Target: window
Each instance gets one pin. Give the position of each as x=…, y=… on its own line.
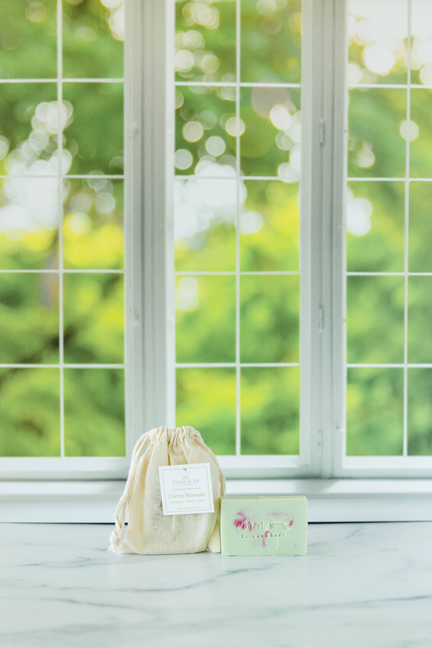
x=259, y=267
x=62, y=257
x=388, y=423
x=237, y=226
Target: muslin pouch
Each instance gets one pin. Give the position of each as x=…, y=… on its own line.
x=149, y=530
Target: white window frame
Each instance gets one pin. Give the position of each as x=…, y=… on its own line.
x=76, y=468
x=323, y=293
x=306, y=464
x=91, y=488
x=339, y=464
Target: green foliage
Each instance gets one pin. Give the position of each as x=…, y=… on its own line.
x=207, y=397
x=420, y=227
x=261, y=155
x=30, y=412
x=398, y=72
x=271, y=42
x=206, y=40
x=374, y=411
x=91, y=119
x=193, y=107
x=376, y=221
x=215, y=252
x=93, y=237
x=269, y=318
x=419, y=411
x=17, y=110
x=28, y=39
x=205, y=326
x=93, y=318
x=90, y=48
x=375, y=116
x=95, y=135
x=29, y=318
x=382, y=248
x=207, y=129
x=213, y=249
x=270, y=404
x=375, y=215
x=94, y=412
x=375, y=319
x=274, y=247
x=29, y=249
x=419, y=319
x=421, y=146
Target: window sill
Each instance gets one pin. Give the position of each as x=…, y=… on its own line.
x=330, y=500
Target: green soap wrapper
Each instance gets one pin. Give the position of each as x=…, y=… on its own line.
x=264, y=526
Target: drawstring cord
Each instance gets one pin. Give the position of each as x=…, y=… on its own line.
x=116, y=538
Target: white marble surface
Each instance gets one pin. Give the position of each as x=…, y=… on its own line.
x=360, y=586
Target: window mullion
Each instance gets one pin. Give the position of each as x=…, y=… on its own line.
x=315, y=207
x=152, y=127
x=333, y=235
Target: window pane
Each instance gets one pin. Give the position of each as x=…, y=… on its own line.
x=206, y=127
x=384, y=143
x=93, y=318
x=94, y=413
x=204, y=229
x=205, y=319
x=419, y=319
x=419, y=412
x=28, y=39
x=205, y=40
x=29, y=117
x=269, y=318
x=206, y=398
x=270, y=142
x=375, y=319
x=377, y=36
x=421, y=40
x=238, y=299
x=269, y=226
x=271, y=40
x=376, y=146
x=94, y=137
x=29, y=320
x=29, y=217
x=90, y=121
x=93, y=236
x=375, y=227
x=30, y=412
x=374, y=412
x=93, y=35
x=270, y=411
x=420, y=227
x=420, y=133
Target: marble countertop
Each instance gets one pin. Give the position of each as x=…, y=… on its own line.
x=360, y=586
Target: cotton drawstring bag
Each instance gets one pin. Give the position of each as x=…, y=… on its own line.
x=149, y=531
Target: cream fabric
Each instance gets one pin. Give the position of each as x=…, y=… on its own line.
x=149, y=531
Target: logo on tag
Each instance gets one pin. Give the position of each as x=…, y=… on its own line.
x=186, y=489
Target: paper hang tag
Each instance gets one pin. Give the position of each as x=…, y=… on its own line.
x=186, y=489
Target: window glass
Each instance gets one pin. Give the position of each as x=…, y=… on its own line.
x=388, y=288
x=61, y=238
x=237, y=222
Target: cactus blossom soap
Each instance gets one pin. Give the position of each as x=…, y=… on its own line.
x=267, y=526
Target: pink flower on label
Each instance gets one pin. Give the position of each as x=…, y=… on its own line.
x=243, y=522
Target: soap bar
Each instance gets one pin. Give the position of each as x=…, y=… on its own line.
x=267, y=526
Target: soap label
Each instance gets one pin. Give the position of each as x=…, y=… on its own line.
x=186, y=489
